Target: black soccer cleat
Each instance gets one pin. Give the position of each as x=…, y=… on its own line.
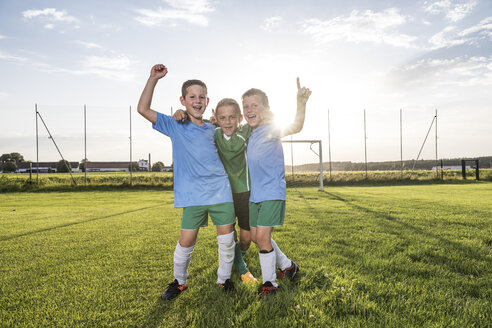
x=267, y=289
x=290, y=272
x=227, y=286
x=173, y=290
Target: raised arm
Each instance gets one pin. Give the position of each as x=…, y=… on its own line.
x=302, y=98
x=157, y=72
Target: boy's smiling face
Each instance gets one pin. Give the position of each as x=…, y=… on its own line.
x=228, y=119
x=195, y=102
x=252, y=110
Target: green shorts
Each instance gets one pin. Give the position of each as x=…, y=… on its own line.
x=270, y=213
x=195, y=217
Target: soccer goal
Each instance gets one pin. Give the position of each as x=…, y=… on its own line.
x=309, y=163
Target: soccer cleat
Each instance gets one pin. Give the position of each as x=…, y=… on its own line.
x=267, y=289
x=173, y=290
x=290, y=272
x=227, y=286
x=248, y=278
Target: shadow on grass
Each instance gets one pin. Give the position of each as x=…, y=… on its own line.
x=76, y=223
x=466, y=251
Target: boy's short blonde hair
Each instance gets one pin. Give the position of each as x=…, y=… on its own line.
x=189, y=83
x=228, y=102
x=259, y=93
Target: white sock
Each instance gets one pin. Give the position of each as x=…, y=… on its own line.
x=226, y=256
x=282, y=261
x=182, y=257
x=267, y=263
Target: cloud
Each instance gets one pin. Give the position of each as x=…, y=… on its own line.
x=453, y=10
x=114, y=67
x=367, y=26
x=50, y=14
x=2, y=36
x=10, y=57
x=191, y=11
x=88, y=45
x=458, y=71
x=449, y=37
x=271, y=23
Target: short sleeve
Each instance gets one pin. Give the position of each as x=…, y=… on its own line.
x=165, y=124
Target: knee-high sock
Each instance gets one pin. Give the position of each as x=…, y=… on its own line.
x=267, y=263
x=182, y=257
x=282, y=261
x=239, y=263
x=226, y=256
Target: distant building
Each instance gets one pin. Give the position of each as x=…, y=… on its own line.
x=44, y=167
x=108, y=166
x=143, y=165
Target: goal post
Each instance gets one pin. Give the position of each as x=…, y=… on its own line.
x=319, y=154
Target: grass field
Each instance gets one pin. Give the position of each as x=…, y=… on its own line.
x=381, y=256
x=12, y=182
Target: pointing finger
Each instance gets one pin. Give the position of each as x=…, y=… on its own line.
x=298, y=84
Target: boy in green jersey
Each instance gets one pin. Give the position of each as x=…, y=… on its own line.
x=231, y=140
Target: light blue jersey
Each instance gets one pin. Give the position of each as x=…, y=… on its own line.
x=266, y=164
x=199, y=176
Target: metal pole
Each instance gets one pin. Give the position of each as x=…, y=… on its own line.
x=418, y=156
x=292, y=158
x=401, y=143
x=329, y=144
x=85, y=145
x=437, y=169
x=37, y=145
x=59, y=152
x=131, y=164
x=320, y=167
x=365, y=142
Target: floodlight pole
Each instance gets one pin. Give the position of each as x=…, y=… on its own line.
x=37, y=144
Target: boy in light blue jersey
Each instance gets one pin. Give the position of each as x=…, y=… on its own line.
x=231, y=141
x=268, y=188
x=201, y=185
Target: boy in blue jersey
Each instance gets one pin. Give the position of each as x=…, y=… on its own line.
x=268, y=188
x=201, y=185
x=231, y=140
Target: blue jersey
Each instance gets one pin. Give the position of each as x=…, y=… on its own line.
x=199, y=176
x=266, y=164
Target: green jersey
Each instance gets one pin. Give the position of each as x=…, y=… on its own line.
x=232, y=152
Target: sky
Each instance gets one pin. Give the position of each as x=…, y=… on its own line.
x=381, y=57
